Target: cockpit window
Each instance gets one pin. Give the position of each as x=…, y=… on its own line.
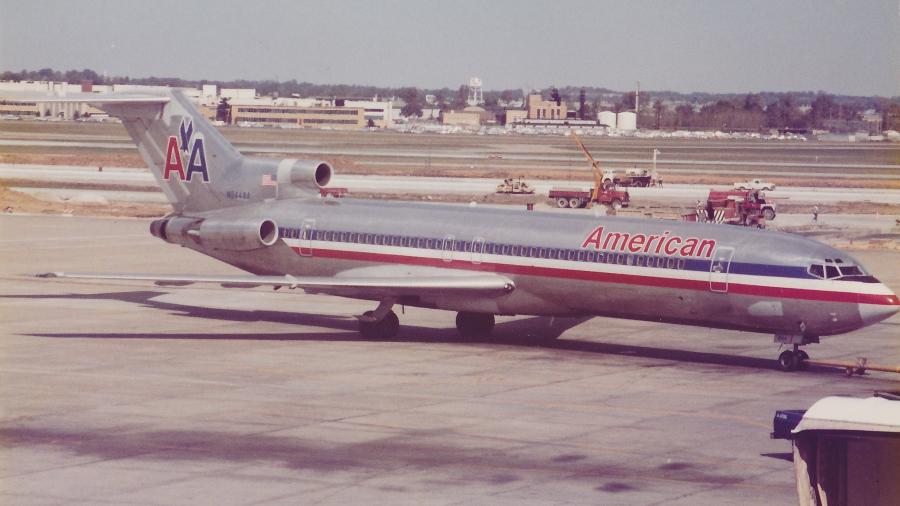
x=831, y=272
x=817, y=271
x=851, y=270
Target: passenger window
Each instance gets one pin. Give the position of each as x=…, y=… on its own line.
x=581, y=255
x=354, y=237
x=505, y=249
x=817, y=271
x=831, y=271
x=670, y=263
x=681, y=263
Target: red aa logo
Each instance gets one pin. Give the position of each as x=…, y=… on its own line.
x=196, y=161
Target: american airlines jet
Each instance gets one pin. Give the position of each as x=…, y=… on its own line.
x=265, y=216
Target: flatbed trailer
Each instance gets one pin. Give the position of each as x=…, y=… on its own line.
x=575, y=198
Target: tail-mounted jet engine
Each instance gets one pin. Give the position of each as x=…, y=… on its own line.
x=300, y=178
x=238, y=235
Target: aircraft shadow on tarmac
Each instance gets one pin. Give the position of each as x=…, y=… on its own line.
x=416, y=448
x=534, y=332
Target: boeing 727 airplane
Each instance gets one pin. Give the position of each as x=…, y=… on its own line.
x=265, y=216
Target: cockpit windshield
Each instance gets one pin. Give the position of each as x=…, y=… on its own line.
x=837, y=268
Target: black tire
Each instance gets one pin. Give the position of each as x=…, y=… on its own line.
x=616, y=204
x=787, y=361
x=575, y=203
x=769, y=213
x=474, y=325
x=384, y=329
x=562, y=202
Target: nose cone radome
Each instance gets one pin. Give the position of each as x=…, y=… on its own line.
x=874, y=313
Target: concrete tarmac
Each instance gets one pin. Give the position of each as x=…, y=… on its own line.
x=128, y=393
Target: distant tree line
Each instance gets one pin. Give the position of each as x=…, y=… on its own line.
x=659, y=109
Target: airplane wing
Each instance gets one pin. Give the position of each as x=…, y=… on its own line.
x=374, y=287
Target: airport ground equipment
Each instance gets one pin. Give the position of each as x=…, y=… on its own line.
x=333, y=191
x=515, y=186
x=784, y=422
x=633, y=177
x=735, y=207
x=601, y=193
x=754, y=184
x=575, y=197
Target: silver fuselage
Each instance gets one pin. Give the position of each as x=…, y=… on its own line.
x=565, y=264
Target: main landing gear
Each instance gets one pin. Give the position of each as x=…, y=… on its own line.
x=474, y=325
x=794, y=359
x=382, y=323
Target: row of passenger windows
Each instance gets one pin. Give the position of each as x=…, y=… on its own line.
x=489, y=248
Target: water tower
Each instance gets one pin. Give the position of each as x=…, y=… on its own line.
x=476, y=97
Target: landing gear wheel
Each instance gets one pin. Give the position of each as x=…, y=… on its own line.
x=768, y=214
x=788, y=361
x=384, y=329
x=562, y=202
x=474, y=324
x=574, y=203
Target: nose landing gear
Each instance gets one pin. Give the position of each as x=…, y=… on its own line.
x=794, y=359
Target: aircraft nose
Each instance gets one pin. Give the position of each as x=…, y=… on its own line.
x=874, y=313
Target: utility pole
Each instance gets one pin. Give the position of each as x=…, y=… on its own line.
x=637, y=98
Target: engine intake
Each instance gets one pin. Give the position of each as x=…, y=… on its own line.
x=309, y=175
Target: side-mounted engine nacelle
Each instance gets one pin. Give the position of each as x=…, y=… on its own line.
x=231, y=235
x=308, y=176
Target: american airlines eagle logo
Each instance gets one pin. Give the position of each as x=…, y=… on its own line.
x=663, y=244
x=190, y=146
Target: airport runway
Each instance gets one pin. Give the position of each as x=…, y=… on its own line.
x=127, y=393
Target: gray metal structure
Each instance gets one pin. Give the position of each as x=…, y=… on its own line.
x=266, y=217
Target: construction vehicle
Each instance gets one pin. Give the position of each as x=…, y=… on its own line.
x=735, y=207
x=633, y=177
x=754, y=184
x=515, y=186
x=601, y=193
x=575, y=198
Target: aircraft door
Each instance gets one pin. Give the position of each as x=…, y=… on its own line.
x=719, y=268
x=447, y=248
x=307, y=231
x=477, y=250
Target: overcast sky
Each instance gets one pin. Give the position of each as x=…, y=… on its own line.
x=850, y=47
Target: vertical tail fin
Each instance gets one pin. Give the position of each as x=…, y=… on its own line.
x=188, y=156
x=192, y=162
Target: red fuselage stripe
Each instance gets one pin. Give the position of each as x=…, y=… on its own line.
x=608, y=277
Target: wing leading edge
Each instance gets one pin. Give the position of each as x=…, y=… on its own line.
x=490, y=285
